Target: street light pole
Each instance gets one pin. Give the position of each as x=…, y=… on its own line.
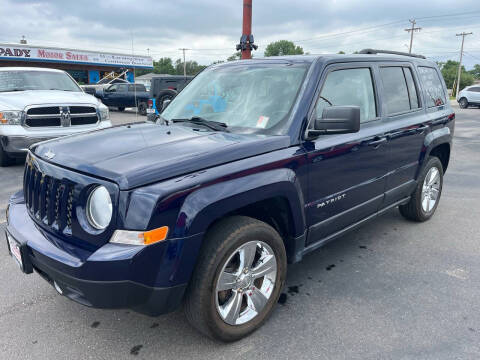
x=463, y=34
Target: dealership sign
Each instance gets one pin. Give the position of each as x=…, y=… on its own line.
x=19, y=52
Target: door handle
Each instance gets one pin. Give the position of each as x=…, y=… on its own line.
x=378, y=142
x=422, y=129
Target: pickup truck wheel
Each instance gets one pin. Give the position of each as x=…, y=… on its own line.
x=425, y=199
x=463, y=103
x=121, y=108
x=5, y=160
x=142, y=108
x=237, y=280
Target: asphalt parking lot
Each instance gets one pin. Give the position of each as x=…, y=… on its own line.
x=391, y=290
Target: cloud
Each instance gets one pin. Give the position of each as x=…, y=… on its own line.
x=211, y=28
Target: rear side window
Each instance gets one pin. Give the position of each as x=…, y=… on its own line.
x=474, y=89
x=349, y=87
x=136, y=87
x=395, y=90
x=434, y=92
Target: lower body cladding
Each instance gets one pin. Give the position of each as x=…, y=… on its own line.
x=148, y=279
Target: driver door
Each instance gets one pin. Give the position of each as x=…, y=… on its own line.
x=346, y=171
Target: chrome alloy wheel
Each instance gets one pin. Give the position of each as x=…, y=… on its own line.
x=430, y=189
x=246, y=282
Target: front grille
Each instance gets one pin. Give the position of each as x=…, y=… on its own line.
x=49, y=200
x=61, y=116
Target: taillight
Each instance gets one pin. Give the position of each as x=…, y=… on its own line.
x=150, y=103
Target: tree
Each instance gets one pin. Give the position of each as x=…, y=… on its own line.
x=163, y=66
x=341, y=52
x=192, y=67
x=235, y=56
x=450, y=73
x=283, y=47
x=476, y=71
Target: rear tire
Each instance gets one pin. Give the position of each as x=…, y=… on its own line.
x=121, y=108
x=463, y=103
x=421, y=206
x=142, y=108
x=167, y=94
x=227, y=241
x=5, y=160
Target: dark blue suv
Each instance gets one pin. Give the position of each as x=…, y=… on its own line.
x=254, y=164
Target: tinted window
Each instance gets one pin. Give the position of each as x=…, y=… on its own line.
x=434, y=93
x=412, y=91
x=474, y=89
x=122, y=88
x=395, y=90
x=349, y=87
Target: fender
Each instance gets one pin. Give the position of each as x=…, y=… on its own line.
x=202, y=207
x=433, y=139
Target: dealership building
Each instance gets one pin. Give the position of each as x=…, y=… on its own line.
x=86, y=67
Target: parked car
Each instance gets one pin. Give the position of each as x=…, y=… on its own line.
x=469, y=96
x=164, y=88
x=125, y=95
x=37, y=104
x=208, y=209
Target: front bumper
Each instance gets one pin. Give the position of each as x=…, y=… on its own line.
x=19, y=144
x=16, y=139
x=109, y=277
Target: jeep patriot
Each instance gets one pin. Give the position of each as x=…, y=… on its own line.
x=206, y=206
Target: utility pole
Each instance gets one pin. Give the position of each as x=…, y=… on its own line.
x=463, y=34
x=411, y=31
x=148, y=51
x=246, y=40
x=184, y=63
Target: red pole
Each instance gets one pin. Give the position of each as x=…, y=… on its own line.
x=247, y=26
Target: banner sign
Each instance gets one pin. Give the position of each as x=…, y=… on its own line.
x=32, y=53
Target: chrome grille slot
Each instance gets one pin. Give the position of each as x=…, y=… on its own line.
x=61, y=116
x=48, y=200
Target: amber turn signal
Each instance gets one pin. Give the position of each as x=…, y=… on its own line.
x=155, y=235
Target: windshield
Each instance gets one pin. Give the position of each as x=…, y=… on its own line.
x=246, y=98
x=36, y=80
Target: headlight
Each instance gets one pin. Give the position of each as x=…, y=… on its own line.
x=10, y=117
x=104, y=113
x=99, y=208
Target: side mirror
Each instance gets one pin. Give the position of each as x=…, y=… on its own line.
x=337, y=120
x=165, y=103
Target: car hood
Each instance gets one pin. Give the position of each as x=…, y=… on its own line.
x=17, y=100
x=142, y=153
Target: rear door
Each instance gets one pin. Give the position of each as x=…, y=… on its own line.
x=346, y=172
x=474, y=93
x=406, y=126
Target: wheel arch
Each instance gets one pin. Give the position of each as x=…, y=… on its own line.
x=274, y=197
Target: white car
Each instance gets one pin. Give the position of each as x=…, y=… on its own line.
x=38, y=104
x=469, y=96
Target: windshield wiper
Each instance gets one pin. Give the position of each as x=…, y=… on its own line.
x=213, y=125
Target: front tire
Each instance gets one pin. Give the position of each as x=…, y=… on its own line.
x=463, y=103
x=425, y=198
x=142, y=108
x=238, y=279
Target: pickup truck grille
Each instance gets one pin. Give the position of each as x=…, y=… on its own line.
x=61, y=116
x=49, y=200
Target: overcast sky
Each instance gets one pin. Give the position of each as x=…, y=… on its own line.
x=212, y=28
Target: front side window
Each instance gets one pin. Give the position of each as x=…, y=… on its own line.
x=36, y=80
x=349, y=87
x=248, y=98
x=435, y=94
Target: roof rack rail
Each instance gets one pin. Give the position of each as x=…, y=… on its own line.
x=374, y=51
